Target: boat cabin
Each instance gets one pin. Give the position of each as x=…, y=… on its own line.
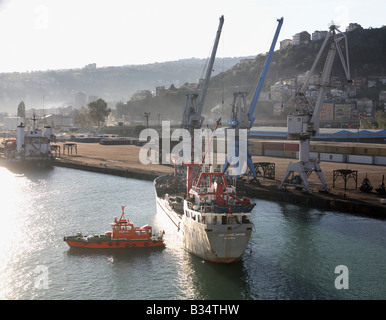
x=124, y=229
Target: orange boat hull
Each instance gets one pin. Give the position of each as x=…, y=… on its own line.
x=115, y=244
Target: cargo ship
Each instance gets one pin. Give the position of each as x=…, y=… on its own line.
x=211, y=221
x=122, y=236
x=30, y=148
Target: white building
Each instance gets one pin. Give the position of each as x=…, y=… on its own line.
x=11, y=123
x=319, y=35
x=58, y=121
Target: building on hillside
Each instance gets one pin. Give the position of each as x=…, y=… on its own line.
x=159, y=90
x=247, y=61
x=382, y=96
x=359, y=82
x=366, y=106
x=276, y=91
x=319, y=35
x=353, y=26
x=301, y=38
x=141, y=95
x=90, y=66
x=382, y=99
x=342, y=111
x=79, y=99
x=285, y=43
x=327, y=111
x=278, y=109
x=314, y=79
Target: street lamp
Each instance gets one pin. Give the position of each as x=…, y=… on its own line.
x=147, y=114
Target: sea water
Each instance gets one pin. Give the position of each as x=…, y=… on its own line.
x=294, y=253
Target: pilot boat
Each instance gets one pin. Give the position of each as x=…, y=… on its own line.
x=123, y=235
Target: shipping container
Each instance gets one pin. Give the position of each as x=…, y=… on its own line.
x=360, y=159
x=273, y=153
x=289, y=154
x=364, y=150
x=381, y=161
x=382, y=152
x=256, y=151
x=256, y=144
x=313, y=156
x=273, y=145
x=291, y=146
x=333, y=157
x=339, y=148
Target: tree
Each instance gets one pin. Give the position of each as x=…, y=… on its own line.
x=138, y=128
x=21, y=110
x=81, y=120
x=380, y=116
x=98, y=111
x=365, y=123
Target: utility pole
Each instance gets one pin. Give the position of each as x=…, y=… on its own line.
x=147, y=114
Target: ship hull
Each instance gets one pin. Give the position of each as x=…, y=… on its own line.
x=215, y=242
x=26, y=163
x=112, y=244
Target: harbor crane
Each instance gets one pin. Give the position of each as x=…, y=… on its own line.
x=242, y=118
x=192, y=118
x=303, y=121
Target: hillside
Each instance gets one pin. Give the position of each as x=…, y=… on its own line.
x=58, y=87
x=367, y=52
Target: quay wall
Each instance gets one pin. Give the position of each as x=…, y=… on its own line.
x=321, y=201
x=122, y=172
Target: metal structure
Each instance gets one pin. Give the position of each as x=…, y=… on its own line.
x=242, y=118
x=303, y=122
x=192, y=118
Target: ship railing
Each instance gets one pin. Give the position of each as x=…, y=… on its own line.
x=206, y=215
x=226, y=218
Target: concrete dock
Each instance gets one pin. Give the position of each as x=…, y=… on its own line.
x=123, y=160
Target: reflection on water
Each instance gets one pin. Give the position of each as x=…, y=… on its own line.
x=292, y=253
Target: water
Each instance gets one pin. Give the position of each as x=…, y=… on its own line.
x=292, y=254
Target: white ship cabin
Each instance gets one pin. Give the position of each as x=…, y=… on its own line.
x=211, y=193
x=33, y=142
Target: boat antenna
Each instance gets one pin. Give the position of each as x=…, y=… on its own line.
x=123, y=212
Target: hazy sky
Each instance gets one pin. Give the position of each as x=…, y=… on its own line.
x=61, y=34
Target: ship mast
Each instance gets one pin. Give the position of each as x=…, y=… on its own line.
x=192, y=117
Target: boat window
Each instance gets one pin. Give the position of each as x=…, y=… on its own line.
x=128, y=227
x=143, y=232
x=116, y=228
x=137, y=233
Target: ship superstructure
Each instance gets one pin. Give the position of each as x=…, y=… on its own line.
x=31, y=147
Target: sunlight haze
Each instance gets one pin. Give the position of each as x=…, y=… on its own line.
x=51, y=34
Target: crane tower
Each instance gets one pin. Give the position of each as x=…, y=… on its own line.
x=303, y=122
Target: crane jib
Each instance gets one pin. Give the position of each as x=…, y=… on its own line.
x=264, y=73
